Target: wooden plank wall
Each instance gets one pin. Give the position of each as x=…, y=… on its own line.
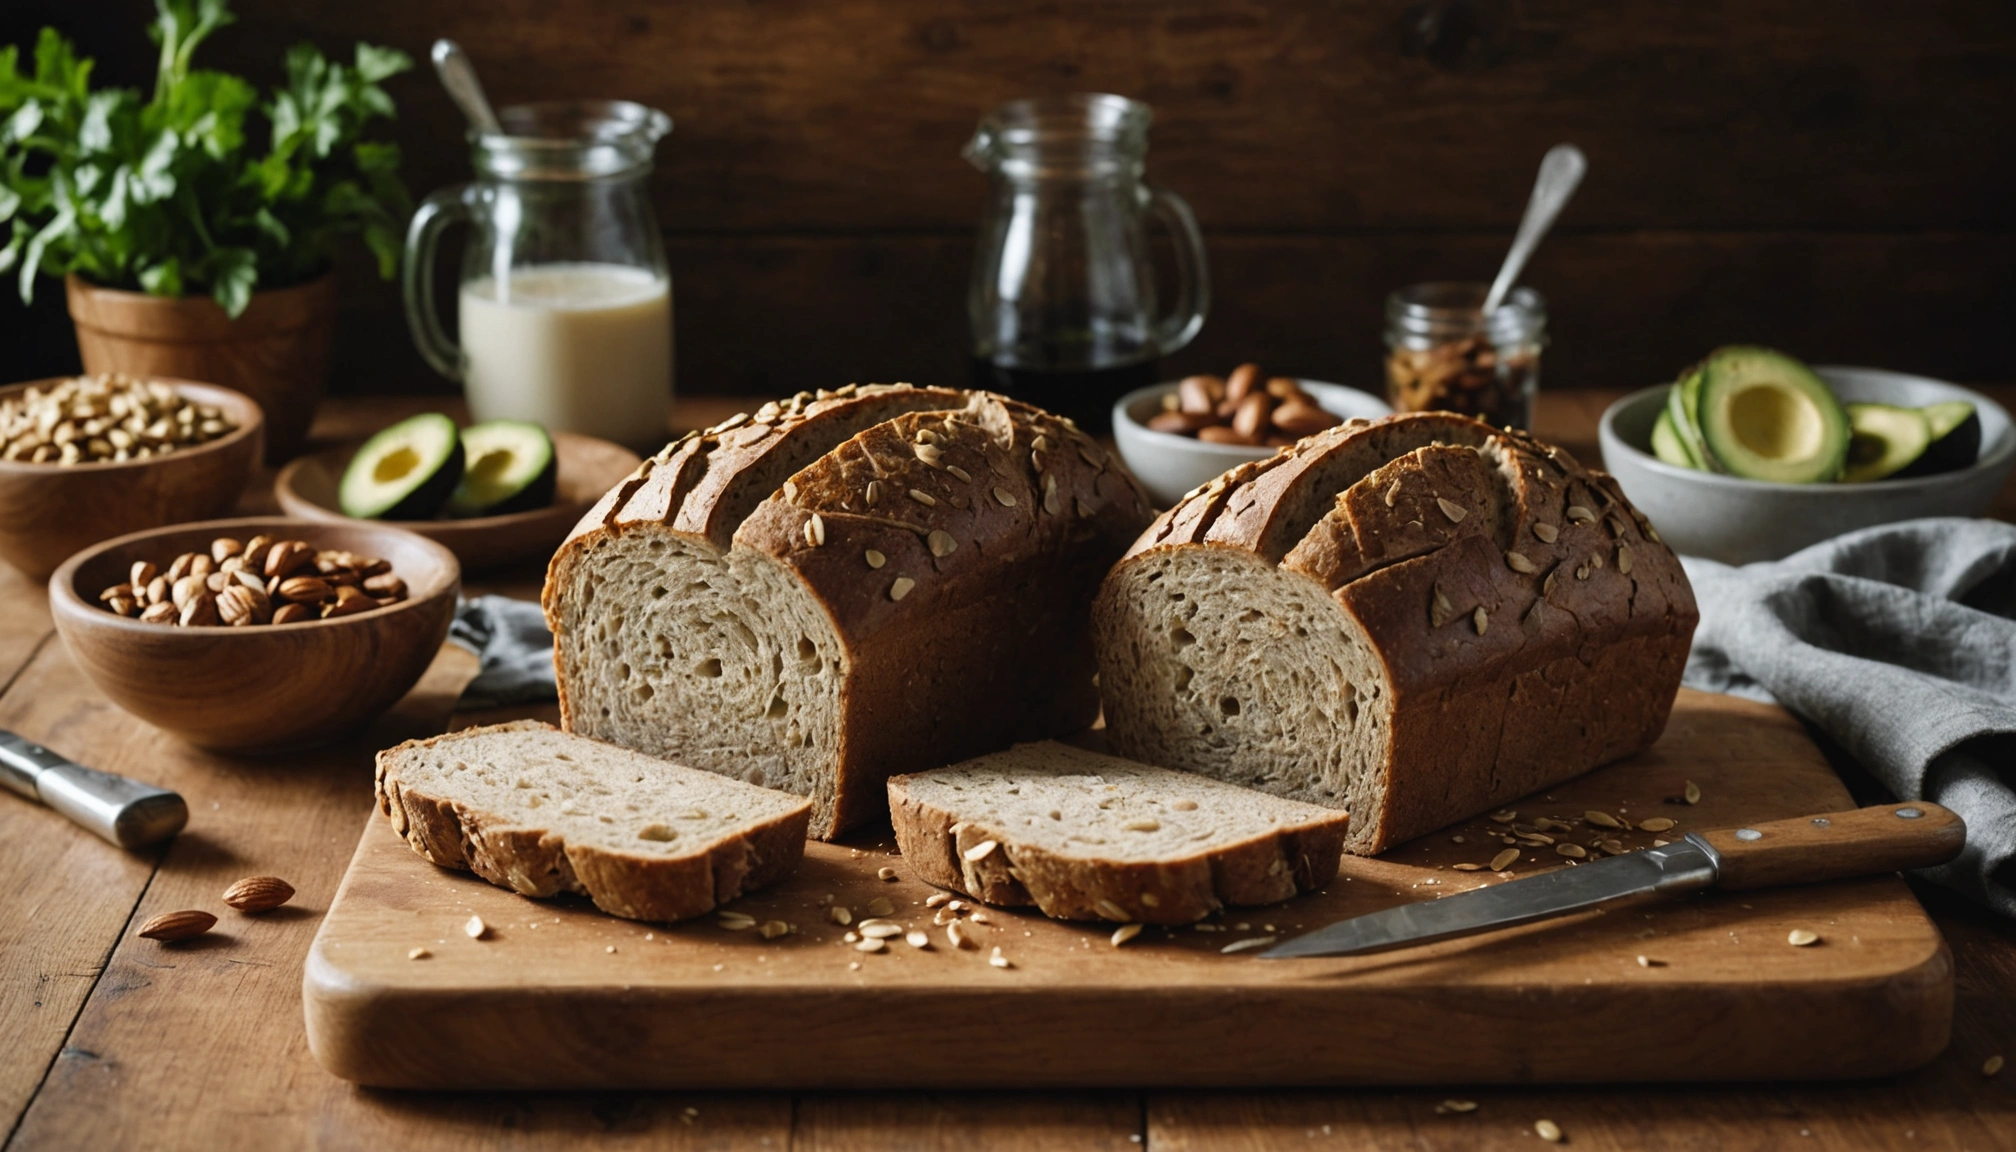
x=1834, y=177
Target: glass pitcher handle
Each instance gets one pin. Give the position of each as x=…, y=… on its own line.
x=416, y=274
x=1193, y=275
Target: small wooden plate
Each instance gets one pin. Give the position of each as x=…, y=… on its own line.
x=588, y=468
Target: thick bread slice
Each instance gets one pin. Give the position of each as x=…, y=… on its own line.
x=1089, y=837
x=1416, y=619
x=915, y=589
x=530, y=808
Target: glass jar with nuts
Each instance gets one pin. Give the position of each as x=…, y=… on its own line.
x=256, y=581
x=100, y=419
x=1245, y=407
x=1444, y=354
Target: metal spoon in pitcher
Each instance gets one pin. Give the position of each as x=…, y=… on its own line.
x=1560, y=173
x=458, y=75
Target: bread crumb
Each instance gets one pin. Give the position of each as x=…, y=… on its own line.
x=475, y=928
x=418, y=954
x=609, y=948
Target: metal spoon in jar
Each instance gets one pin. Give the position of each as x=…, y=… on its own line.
x=458, y=75
x=1560, y=173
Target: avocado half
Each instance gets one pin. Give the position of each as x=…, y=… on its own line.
x=1765, y=416
x=405, y=472
x=1883, y=440
x=511, y=468
x=1956, y=439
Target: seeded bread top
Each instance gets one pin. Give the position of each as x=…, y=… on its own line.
x=1533, y=553
x=936, y=505
x=1082, y=805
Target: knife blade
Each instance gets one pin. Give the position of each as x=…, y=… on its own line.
x=1865, y=842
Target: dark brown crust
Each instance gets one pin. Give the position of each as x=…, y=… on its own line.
x=538, y=862
x=1578, y=662
x=991, y=645
x=1263, y=870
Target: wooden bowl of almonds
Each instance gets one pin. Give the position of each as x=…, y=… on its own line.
x=83, y=459
x=256, y=634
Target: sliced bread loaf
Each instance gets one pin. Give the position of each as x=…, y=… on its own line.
x=536, y=810
x=1083, y=836
x=864, y=582
x=1415, y=619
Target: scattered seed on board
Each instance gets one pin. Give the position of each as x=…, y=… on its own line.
x=1992, y=1065
x=1127, y=932
x=417, y=954
x=475, y=928
x=998, y=960
x=1504, y=860
x=885, y=873
x=1655, y=824
x=980, y=851
x=1457, y=1107
x=839, y=915
x=958, y=934
x=881, y=906
x=871, y=944
x=1801, y=937
x=917, y=938
x=1468, y=867
x=772, y=929
x=1693, y=793
x=901, y=587
x=1249, y=942
x=736, y=921
x=1504, y=817
x=1572, y=850
x=1547, y=1130
x=936, y=899
x=1649, y=962
x=1602, y=819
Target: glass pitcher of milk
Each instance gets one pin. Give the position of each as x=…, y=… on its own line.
x=565, y=302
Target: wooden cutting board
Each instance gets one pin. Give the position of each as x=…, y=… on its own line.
x=560, y=996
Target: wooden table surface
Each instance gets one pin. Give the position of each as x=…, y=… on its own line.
x=109, y=1042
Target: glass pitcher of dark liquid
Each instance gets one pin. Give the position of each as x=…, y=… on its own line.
x=1063, y=298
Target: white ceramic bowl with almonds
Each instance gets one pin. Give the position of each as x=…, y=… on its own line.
x=50, y=509
x=1168, y=464
x=231, y=679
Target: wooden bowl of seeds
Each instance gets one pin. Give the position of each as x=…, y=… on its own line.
x=327, y=628
x=84, y=459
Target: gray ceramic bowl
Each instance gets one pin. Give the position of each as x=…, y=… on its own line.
x=1169, y=465
x=1741, y=521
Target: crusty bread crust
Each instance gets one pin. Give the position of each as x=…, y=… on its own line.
x=538, y=862
x=994, y=522
x=1301, y=856
x=1528, y=623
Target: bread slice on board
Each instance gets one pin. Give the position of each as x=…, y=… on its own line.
x=868, y=581
x=536, y=810
x=1089, y=837
x=1415, y=619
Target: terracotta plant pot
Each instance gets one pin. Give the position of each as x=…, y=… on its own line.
x=276, y=351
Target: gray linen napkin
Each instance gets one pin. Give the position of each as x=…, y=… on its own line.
x=514, y=650
x=1898, y=642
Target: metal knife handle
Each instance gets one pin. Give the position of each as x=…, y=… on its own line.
x=126, y=812
x=1865, y=842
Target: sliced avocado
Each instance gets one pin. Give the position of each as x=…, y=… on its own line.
x=1766, y=416
x=1956, y=439
x=405, y=472
x=1667, y=444
x=1684, y=403
x=1883, y=440
x=512, y=468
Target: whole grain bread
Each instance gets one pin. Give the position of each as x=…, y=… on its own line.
x=1416, y=619
x=1084, y=836
x=846, y=586
x=536, y=810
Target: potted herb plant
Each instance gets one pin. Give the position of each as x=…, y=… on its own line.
x=197, y=227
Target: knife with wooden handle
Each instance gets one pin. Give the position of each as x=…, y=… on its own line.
x=126, y=812
x=1806, y=850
